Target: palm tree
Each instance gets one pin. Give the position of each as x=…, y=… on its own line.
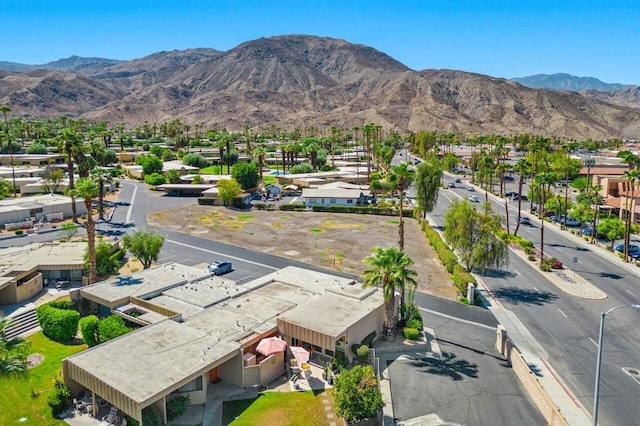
x=69, y=143
x=521, y=167
x=5, y=110
x=544, y=180
x=87, y=189
x=390, y=271
x=13, y=352
x=631, y=176
x=259, y=153
x=101, y=177
x=502, y=169
x=403, y=176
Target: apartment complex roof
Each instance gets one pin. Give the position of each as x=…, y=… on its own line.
x=34, y=202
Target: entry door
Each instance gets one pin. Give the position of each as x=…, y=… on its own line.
x=213, y=374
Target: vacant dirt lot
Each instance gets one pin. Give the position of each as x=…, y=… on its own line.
x=336, y=241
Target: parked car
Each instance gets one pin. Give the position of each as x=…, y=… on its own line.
x=525, y=220
x=473, y=198
x=510, y=194
x=452, y=185
x=509, y=178
x=457, y=180
x=516, y=197
x=471, y=188
x=220, y=267
x=634, y=250
x=570, y=221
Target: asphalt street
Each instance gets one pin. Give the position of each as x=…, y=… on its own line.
x=566, y=326
x=470, y=383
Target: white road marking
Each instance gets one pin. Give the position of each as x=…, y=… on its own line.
x=537, y=290
x=516, y=271
x=226, y=256
x=593, y=341
x=133, y=199
x=634, y=295
x=457, y=319
x=632, y=376
x=563, y=314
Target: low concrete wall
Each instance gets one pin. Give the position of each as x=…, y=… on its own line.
x=528, y=379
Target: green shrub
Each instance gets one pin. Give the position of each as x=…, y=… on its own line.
x=356, y=394
x=111, y=327
x=368, y=339
x=410, y=333
x=89, y=329
x=532, y=257
x=195, y=160
x=414, y=323
x=61, y=304
x=131, y=421
x=155, y=179
x=19, y=232
x=362, y=210
x=293, y=207
x=57, y=324
x=177, y=406
x=355, y=347
x=363, y=352
x=528, y=250
x=151, y=417
x=461, y=278
x=60, y=399
x=205, y=201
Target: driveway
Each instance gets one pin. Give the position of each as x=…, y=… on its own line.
x=469, y=383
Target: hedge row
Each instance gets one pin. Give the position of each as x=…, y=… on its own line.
x=459, y=275
x=362, y=210
x=292, y=207
x=58, y=321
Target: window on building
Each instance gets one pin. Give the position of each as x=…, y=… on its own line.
x=194, y=385
x=349, y=201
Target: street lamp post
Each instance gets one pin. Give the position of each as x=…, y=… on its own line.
x=596, y=398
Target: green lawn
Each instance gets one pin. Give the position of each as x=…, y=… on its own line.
x=17, y=395
x=215, y=170
x=277, y=408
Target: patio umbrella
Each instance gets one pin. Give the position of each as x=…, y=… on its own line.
x=300, y=354
x=271, y=345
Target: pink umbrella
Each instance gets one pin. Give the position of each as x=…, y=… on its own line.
x=271, y=345
x=300, y=354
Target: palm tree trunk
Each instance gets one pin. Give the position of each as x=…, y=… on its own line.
x=91, y=242
x=389, y=315
x=519, y=202
x=101, y=200
x=74, y=213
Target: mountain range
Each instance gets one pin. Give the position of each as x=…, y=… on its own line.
x=562, y=81
x=301, y=81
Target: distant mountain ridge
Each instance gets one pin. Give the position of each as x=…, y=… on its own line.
x=563, y=81
x=302, y=81
x=70, y=64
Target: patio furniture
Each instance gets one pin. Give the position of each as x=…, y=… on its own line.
x=112, y=414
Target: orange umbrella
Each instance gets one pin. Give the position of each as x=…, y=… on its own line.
x=271, y=345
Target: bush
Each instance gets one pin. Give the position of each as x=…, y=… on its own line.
x=356, y=394
x=301, y=168
x=414, y=323
x=410, y=333
x=89, y=329
x=195, y=160
x=19, y=232
x=461, y=278
x=363, y=352
x=177, y=406
x=368, y=339
x=111, y=327
x=362, y=210
x=58, y=324
x=205, y=201
x=60, y=398
x=155, y=179
x=151, y=417
x=532, y=257
x=293, y=207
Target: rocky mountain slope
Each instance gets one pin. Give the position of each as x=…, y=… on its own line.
x=629, y=97
x=562, y=81
x=299, y=81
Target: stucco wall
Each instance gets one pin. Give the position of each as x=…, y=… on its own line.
x=231, y=371
x=271, y=367
x=372, y=322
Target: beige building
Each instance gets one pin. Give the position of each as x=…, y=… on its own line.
x=25, y=270
x=202, y=329
x=39, y=207
x=618, y=196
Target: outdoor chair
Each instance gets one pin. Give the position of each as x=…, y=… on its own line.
x=112, y=414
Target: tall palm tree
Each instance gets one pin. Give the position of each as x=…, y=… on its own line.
x=543, y=180
x=632, y=177
x=69, y=143
x=502, y=169
x=522, y=165
x=402, y=175
x=259, y=153
x=5, y=110
x=13, y=352
x=101, y=177
x=389, y=269
x=87, y=189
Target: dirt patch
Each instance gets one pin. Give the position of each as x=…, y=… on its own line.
x=335, y=241
x=34, y=360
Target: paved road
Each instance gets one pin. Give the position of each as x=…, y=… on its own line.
x=567, y=327
x=470, y=383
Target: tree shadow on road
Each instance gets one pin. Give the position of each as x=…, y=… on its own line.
x=523, y=296
x=447, y=365
x=496, y=273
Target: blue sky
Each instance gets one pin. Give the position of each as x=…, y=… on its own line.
x=499, y=38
